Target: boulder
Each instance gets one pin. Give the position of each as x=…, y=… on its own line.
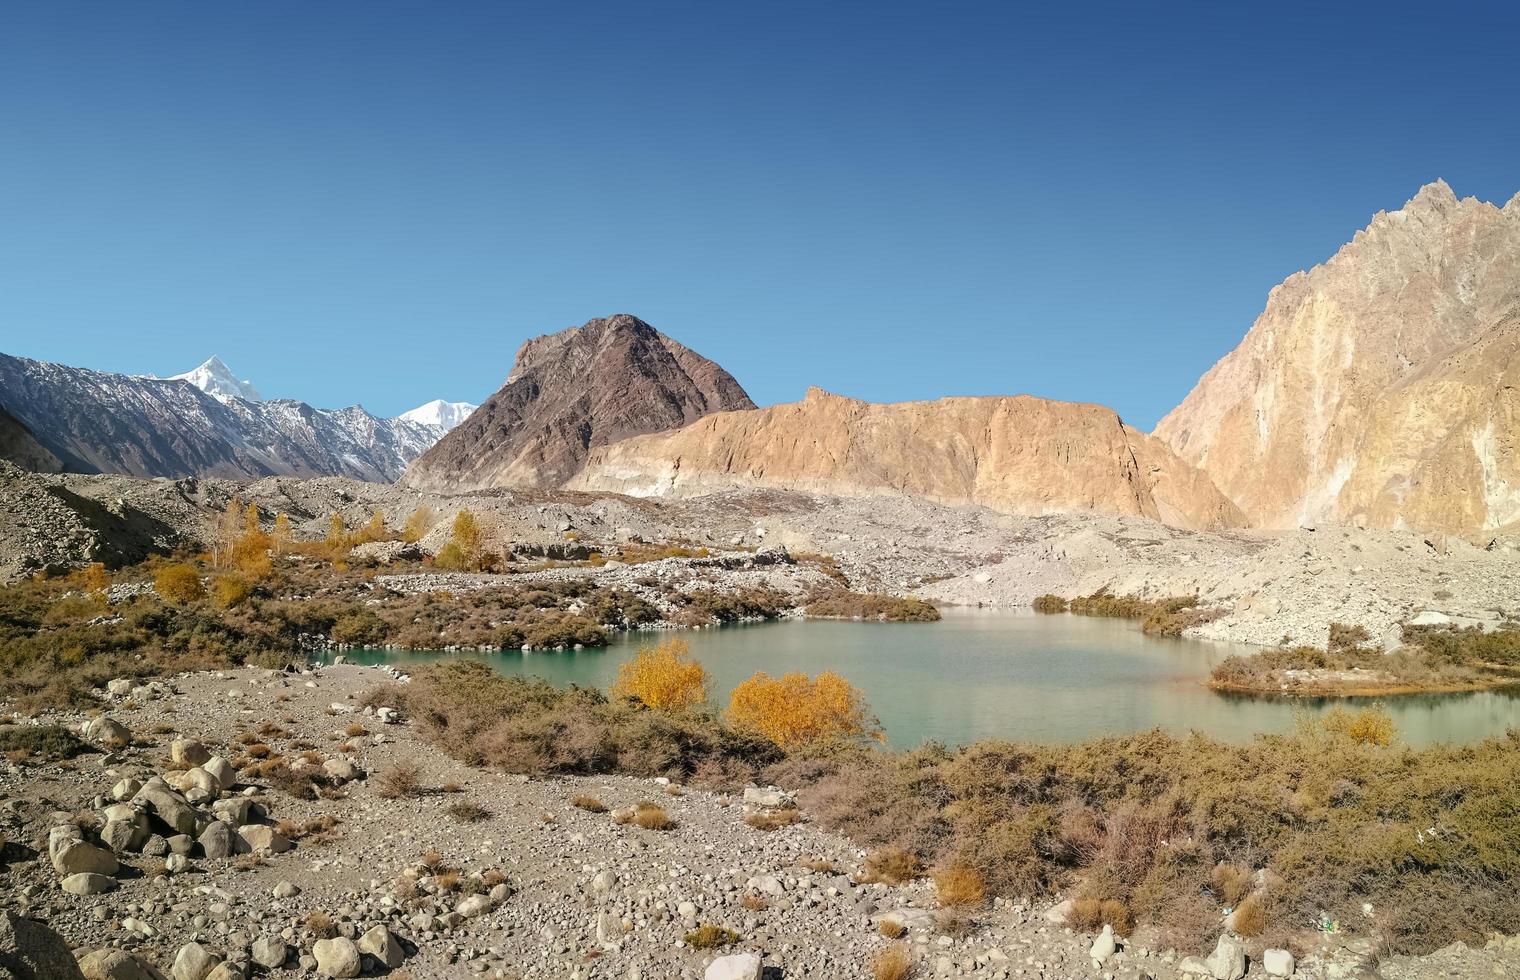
x=1228, y=961
x=770, y=798
x=270, y=952
x=188, y=752
x=125, y=835
x=285, y=889
x=193, y=962
x=380, y=944
x=221, y=770
x=219, y=842
x=77, y=856
x=30, y=950
x=337, y=957
x=263, y=838
x=60, y=835
x=236, y=810
x=85, y=883
x=119, y=688
x=735, y=966
x=342, y=770
x=105, y=730
x=200, y=786
x=228, y=970
x=1277, y=962
x=473, y=906
x=116, y=964
x=167, y=805
x=1103, y=946
x=125, y=790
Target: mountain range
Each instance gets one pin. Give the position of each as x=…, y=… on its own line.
x=1378, y=388
x=205, y=422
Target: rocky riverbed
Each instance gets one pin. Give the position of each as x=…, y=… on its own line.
x=151, y=854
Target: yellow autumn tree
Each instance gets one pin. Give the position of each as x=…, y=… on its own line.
x=664, y=677
x=250, y=552
x=793, y=710
x=462, y=553
x=92, y=578
x=225, y=533
x=374, y=530
x=179, y=584
x=417, y=525
x=280, y=538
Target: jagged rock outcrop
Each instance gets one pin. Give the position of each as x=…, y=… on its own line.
x=1380, y=388
x=1019, y=455
x=569, y=393
x=97, y=422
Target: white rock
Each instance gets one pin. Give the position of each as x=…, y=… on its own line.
x=736, y=966
x=337, y=957
x=380, y=944
x=1103, y=946
x=189, y=752
x=1277, y=962
x=1228, y=961
x=193, y=962
x=88, y=884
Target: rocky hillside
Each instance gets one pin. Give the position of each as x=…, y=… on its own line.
x=19, y=446
x=96, y=422
x=572, y=392
x=1018, y=455
x=1380, y=388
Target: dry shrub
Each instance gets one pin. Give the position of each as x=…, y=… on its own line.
x=769, y=820
x=1086, y=915
x=892, y=929
x=431, y=861
x=355, y=729
x=179, y=584
x=1250, y=917
x=953, y=923
x=753, y=902
x=468, y=812
x=448, y=880
x=959, y=885
x=820, y=865
x=400, y=780
x=664, y=677
x=893, y=963
x=793, y=710
x=652, y=816
x=1370, y=726
x=590, y=804
x=1231, y=882
x=321, y=925
x=707, y=936
x=892, y=865
x=451, y=787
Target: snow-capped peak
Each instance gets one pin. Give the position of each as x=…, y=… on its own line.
x=438, y=412
x=216, y=379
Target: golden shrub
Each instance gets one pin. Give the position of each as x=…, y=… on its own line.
x=418, y=524
x=91, y=578
x=793, y=710
x=230, y=590
x=959, y=885
x=664, y=677
x=179, y=584
x=892, y=963
x=1370, y=726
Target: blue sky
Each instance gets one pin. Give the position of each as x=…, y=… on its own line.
x=378, y=202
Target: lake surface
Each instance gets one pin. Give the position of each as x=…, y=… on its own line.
x=1000, y=674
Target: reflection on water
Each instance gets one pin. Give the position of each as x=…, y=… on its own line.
x=998, y=674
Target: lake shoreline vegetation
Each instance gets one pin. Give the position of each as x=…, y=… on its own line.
x=1148, y=830
x=1435, y=659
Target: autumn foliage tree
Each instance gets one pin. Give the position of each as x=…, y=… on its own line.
x=793, y=710
x=179, y=584
x=418, y=524
x=664, y=677
x=462, y=553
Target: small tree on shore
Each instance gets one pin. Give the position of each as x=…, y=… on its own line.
x=664, y=677
x=793, y=710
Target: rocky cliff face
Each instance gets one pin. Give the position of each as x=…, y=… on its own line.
x=569, y=393
x=95, y=422
x=1380, y=388
x=19, y=446
x=1019, y=455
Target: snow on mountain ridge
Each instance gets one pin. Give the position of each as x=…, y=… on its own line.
x=216, y=379
x=439, y=413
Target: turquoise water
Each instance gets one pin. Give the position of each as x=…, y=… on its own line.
x=997, y=674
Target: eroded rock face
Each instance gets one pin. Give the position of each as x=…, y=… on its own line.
x=570, y=392
x=30, y=950
x=1019, y=455
x=1381, y=387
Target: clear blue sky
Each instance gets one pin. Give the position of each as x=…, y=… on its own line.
x=378, y=202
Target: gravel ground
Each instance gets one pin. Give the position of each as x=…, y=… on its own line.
x=588, y=897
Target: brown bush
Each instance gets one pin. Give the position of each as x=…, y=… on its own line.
x=651, y=816
x=893, y=963
x=891, y=928
x=468, y=812
x=399, y=780
x=769, y=820
x=1250, y=917
x=959, y=885
x=321, y=925
x=893, y=865
x=588, y=803
x=708, y=936
x=1231, y=882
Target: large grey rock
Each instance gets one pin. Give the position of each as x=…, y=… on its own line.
x=81, y=857
x=116, y=964
x=341, y=770
x=219, y=841
x=473, y=906
x=125, y=789
x=221, y=770
x=1277, y=962
x=105, y=730
x=735, y=966
x=125, y=835
x=85, y=883
x=236, y=810
x=1103, y=946
x=769, y=798
x=1228, y=961
x=200, y=786
x=227, y=970
x=30, y=950
x=167, y=805
x=188, y=752
x=380, y=944
x=270, y=951
x=337, y=957
x=194, y=962
x=264, y=838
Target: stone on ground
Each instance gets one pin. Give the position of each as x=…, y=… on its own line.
x=116, y=964
x=1277, y=962
x=380, y=944
x=337, y=957
x=30, y=950
x=735, y=966
x=194, y=962
x=1228, y=961
x=81, y=857
x=85, y=883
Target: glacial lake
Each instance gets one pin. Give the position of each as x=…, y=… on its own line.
x=1016, y=675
